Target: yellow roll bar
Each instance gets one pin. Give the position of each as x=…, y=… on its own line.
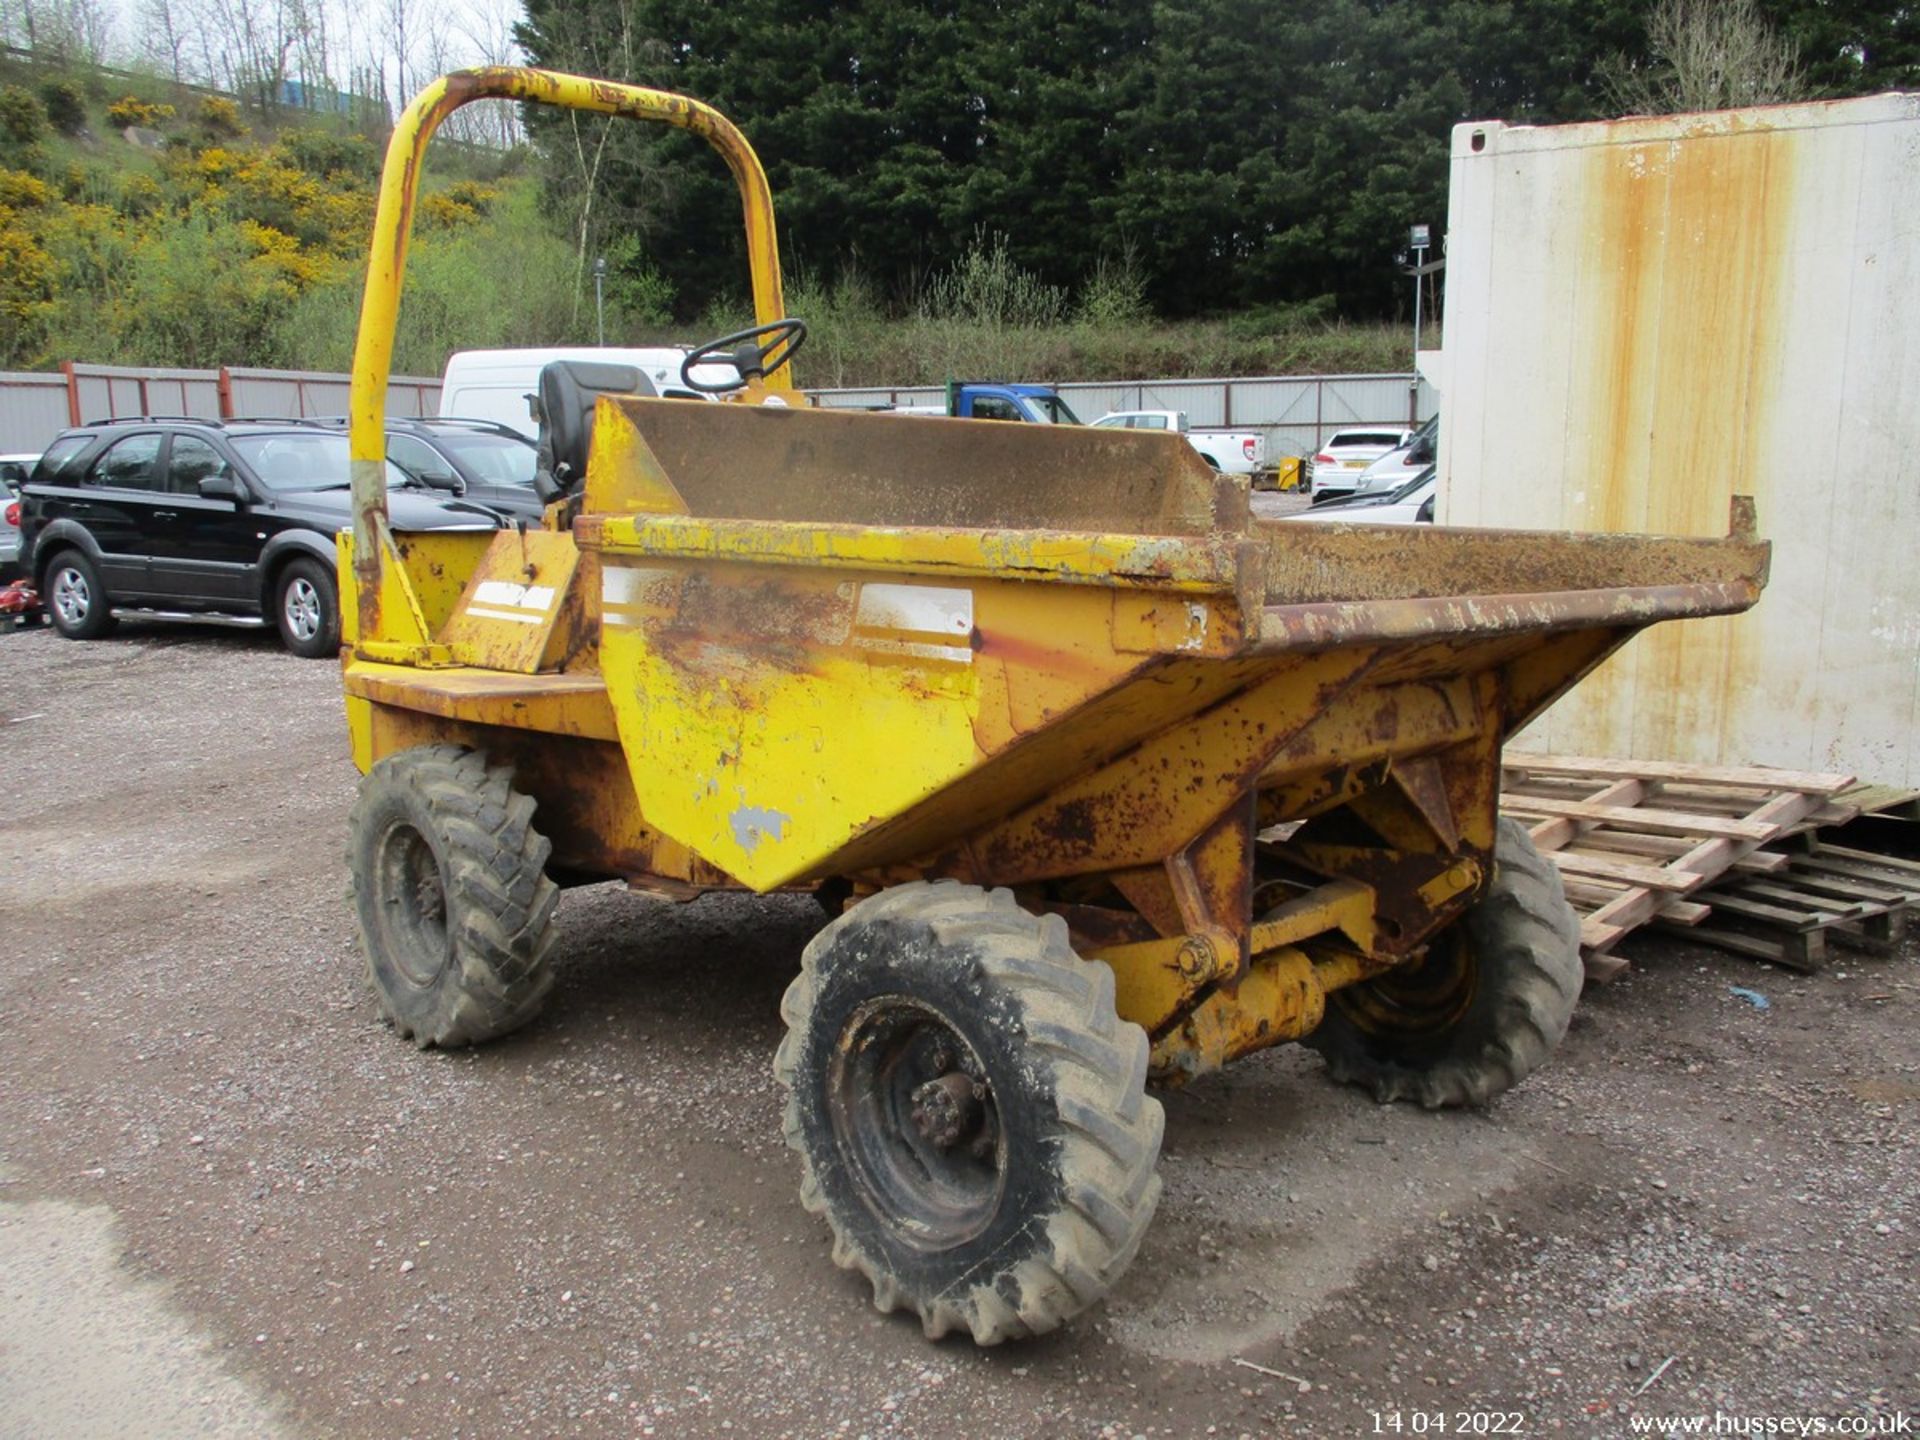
x=384, y=626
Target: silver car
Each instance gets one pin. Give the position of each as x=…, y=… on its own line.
x=1411, y=504
x=14, y=470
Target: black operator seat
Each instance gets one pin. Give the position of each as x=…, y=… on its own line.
x=564, y=408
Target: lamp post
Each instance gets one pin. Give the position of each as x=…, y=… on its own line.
x=1421, y=239
x=600, y=297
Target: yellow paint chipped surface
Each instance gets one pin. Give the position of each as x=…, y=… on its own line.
x=767, y=770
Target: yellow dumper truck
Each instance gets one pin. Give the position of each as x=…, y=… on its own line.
x=1101, y=777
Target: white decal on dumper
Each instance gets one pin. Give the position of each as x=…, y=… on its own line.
x=924, y=621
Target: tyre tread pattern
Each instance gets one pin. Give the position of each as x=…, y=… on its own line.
x=1110, y=1127
x=500, y=901
x=1527, y=940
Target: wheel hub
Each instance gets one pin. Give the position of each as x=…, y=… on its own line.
x=914, y=1113
x=70, y=597
x=413, y=905
x=1416, y=999
x=303, y=609
x=947, y=1109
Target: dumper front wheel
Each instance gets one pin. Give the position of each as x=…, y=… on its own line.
x=450, y=889
x=970, y=1111
x=1483, y=1009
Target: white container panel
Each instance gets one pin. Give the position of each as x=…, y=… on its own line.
x=1647, y=317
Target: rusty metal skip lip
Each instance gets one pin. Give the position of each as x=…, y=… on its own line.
x=1290, y=627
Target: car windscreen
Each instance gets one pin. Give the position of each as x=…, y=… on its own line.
x=307, y=460
x=1391, y=438
x=1051, y=410
x=491, y=459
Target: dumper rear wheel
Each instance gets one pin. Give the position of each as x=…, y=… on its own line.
x=1483, y=1009
x=451, y=892
x=970, y=1112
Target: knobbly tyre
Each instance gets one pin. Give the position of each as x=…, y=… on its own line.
x=1103, y=778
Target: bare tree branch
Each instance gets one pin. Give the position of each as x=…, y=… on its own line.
x=1706, y=55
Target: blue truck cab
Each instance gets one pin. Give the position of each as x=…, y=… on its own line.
x=1036, y=404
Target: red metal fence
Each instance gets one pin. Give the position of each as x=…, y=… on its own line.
x=36, y=407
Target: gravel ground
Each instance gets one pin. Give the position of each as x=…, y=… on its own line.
x=231, y=1199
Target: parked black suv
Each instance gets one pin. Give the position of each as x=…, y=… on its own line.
x=478, y=460
x=232, y=520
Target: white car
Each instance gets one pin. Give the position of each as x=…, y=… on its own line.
x=1396, y=467
x=1338, y=463
x=1411, y=504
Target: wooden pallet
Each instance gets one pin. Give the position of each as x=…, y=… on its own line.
x=1892, y=801
x=1829, y=892
x=1636, y=840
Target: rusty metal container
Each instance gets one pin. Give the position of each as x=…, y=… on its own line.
x=1646, y=316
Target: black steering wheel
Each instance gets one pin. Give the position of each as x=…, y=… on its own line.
x=744, y=352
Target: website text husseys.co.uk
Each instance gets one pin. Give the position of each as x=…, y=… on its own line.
x=1722, y=1422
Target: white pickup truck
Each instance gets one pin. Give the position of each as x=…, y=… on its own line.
x=1236, y=452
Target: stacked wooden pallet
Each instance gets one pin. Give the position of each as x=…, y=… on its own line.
x=1892, y=802
x=1788, y=912
x=1637, y=842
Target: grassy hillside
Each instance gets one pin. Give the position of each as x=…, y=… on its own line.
x=205, y=234
x=143, y=223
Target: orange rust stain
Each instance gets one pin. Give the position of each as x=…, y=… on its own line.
x=1688, y=246
x=1729, y=216
x=1631, y=183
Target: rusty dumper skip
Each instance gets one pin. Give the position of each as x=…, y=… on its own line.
x=1101, y=777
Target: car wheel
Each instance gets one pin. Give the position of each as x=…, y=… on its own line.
x=307, y=608
x=76, y=599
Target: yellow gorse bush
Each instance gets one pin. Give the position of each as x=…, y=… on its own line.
x=27, y=276
x=218, y=250
x=21, y=191
x=220, y=116
x=131, y=110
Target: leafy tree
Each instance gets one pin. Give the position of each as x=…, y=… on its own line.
x=66, y=106
x=1853, y=47
x=1241, y=152
x=22, y=119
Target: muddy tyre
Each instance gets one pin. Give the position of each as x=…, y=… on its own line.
x=1485, y=1007
x=970, y=1112
x=450, y=889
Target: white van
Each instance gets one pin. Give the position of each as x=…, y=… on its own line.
x=494, y=384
